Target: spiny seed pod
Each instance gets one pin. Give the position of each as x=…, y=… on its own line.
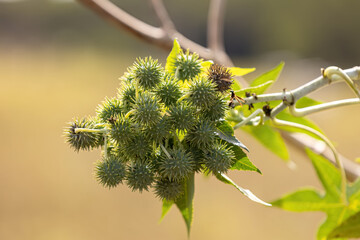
x=148, y=72
x=136, y=147
x=219, y=158
x=187, y=66
x=127, y=95
x=169, y=190
x=181, y=116
x=202, y=135
x=221, y=76
x=159, y=131
x=110, y=108
x=128, y=77
x=147, y=111
x=168, y=91
x=139, y=176
x=110, y=171
x=216, y=111
x=202, y=93
x=198, y=156
x=81, y=140
x=178, y=166
x=122, y=130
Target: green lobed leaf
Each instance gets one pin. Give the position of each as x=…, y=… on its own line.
x=225, y=132
x=236, y=71
x=329, y=224
x=271, y=75
x=235, y=85
x=165, y=208
x=185, y=202
x=305, y=200
x=225, y=179
x=225, y=127
x=242, y=161
x=257, y=89
x=328, y=174
x=270, y=138
x=171, y=59
x=353, y=191
x=350, y=228
x=306, y=102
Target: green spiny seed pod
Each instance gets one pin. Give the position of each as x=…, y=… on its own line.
x=216, y=111
x=139, y=176
x=128, y=77
x=82, y=140
x=136, y=147
x=110, y=171
x=202, y=135
x=169, y=190
x=221, y=76
x=202, y=93
x=127, y=95
x=108, y=109
x=177, y=166
x=147, y=110
x=182, y=116
x=187, y=66
x=168, y=91
x=197, y=154
x=148, y=72
x=159, y=131
x=219, y=158
x=122, y=130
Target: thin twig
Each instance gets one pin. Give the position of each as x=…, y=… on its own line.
x=215, y=32
x=162, y=14
x=215, y=27
x=122, y=19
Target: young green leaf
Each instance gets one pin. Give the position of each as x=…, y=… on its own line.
x=271, y=75
x=165, y=208
x=306, y=102
x=171, y=59
x=242, y=161
x=225, y=179
x=270, y=138
x=205, y=65
x=226, y=133
x=257, y=89
x=185, y=202
x=236, y=71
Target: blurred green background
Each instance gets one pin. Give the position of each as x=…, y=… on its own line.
x=59, y=60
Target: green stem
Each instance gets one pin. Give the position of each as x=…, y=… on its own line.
x=330, y=145
x=183, y=97
x=103, y=130
x=129, y=113
x=250, y=117
x=165, y=151
x=105, y=145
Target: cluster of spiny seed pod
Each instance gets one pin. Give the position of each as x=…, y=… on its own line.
x=160, y=128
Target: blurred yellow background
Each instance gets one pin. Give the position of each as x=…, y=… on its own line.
x=47, y=191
